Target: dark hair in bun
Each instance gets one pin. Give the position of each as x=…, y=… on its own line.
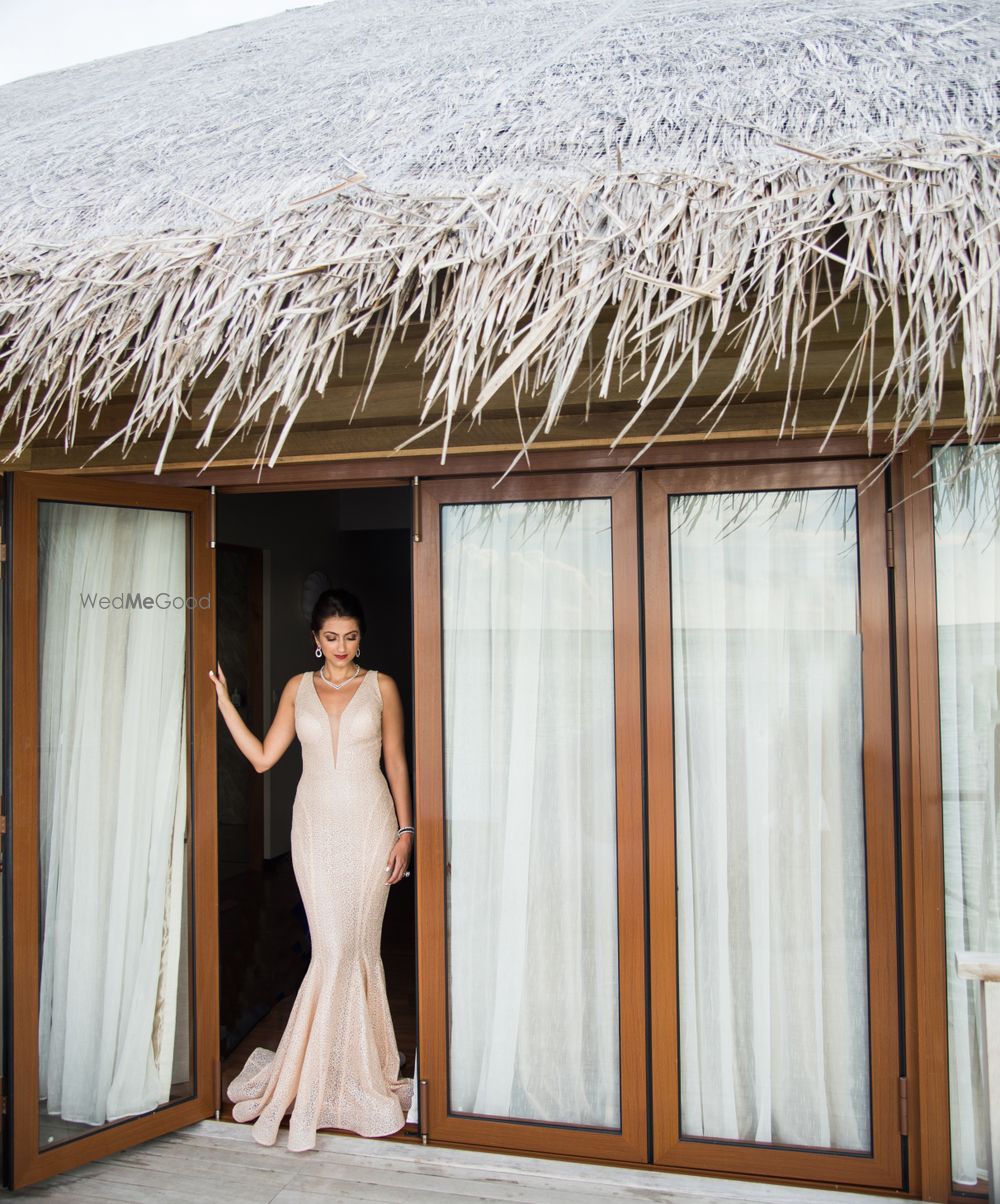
x=337, y=604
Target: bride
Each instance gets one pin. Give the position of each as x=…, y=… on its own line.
x=337, y=1063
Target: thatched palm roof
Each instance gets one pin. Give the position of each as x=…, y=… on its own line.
x=239, y=205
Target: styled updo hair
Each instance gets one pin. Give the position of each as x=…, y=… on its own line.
x=337, y=604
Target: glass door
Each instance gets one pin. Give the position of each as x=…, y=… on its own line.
x=775, y=1021
x=529, y=815
x=967, y=624
x=115, y=1029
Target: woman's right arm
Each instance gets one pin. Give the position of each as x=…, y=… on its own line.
x=279, y=735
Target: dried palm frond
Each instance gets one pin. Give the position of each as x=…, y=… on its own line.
x=712, y=175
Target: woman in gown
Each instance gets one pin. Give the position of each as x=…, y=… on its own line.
x=337, y=1064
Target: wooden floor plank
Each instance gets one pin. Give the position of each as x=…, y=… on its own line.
x=248, y=1166
x=93, y=1190
x=536, y=1173
x=417, y=1158
x=445, y=1184
x=122, y=1177
x=220, y=1163
x=291, y=1196
x=399, y=1189
x=70, y=1191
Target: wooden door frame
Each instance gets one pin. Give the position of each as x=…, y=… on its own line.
x=28, y=1163
x=885, y=1167
x=367, y=470
x=630, y=1143
x=915, y=640
x=922, y=743
x=911, y=519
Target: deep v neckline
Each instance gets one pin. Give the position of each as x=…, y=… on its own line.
x=335, y=739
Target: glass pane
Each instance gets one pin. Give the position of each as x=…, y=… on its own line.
x=115, y=1033
x=967, y=556
x=532, y=943
x=771, y=891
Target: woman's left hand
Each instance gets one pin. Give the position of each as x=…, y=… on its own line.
x=399, y=858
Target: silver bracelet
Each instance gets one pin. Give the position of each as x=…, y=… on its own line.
x=400, y=831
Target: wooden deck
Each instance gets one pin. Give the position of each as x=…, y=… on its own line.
x=215, y=1162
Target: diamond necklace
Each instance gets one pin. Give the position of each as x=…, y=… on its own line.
x=357, y=670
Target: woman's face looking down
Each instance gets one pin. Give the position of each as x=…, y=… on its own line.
x=338, y=640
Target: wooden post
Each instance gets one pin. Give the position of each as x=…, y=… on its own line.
x=986, y=968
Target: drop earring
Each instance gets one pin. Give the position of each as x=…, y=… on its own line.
x=319, y=650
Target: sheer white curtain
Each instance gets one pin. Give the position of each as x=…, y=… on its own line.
x=770, y=818
x=530, y=802
x=112, y=795
x=967, y=555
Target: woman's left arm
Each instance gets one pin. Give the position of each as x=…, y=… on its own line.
x=397, y=775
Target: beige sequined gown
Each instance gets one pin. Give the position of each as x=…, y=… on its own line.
x=337, y=1064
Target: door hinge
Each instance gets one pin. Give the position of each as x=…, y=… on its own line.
x=211, y=518
x=217, y=1087
x=415, y=510
x=890, y=541
x=422, y=1090
x=904, y=1109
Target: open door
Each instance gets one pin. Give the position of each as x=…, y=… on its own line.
x=529, y=815
x=112, y=818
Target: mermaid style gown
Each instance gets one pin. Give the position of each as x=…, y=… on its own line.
x=337, y=1063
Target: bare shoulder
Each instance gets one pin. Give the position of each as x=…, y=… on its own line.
x=387, y=685
x=292, y=685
